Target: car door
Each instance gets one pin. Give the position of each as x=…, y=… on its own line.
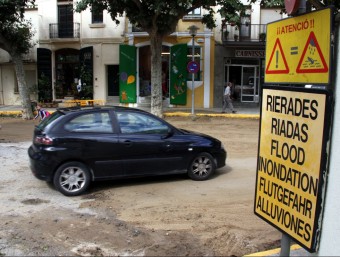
x=94, y=139
x=147, y=145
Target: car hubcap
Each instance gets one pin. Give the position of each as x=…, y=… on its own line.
x=72, y=179
x=202, y=166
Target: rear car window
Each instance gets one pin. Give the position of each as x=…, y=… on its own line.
x=90, y=122
x=48, y=120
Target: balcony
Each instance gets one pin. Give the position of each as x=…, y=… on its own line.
x=244, y=34
x=64, y=30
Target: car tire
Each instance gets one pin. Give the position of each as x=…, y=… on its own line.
x=201, y=167
x=72, y=178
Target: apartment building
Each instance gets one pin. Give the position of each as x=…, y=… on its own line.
x=77, y=55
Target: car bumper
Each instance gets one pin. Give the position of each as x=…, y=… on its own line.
x=220, y=158
x=41, y=165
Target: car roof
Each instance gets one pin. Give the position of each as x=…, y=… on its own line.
x=67, y=110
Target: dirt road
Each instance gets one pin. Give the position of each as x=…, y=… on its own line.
x=164, y=216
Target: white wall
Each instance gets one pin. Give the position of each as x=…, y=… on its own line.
x=330, y=235
x=103, y=54
x=109, y=29
x=47, y=13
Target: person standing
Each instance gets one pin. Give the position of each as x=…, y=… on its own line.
x=227, y=102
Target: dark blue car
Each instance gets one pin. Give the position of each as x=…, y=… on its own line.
x=75, y=146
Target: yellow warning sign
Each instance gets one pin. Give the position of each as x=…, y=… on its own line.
x=289, y=181
x=298, y=49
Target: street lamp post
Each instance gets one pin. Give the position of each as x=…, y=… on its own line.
x=193, y=31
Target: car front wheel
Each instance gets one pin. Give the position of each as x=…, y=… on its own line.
x=72, y=178
x=201, y=167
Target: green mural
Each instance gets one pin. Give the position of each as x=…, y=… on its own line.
x=178, y=74
x=127, y=74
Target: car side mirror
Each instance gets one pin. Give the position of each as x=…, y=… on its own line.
x=169, y=133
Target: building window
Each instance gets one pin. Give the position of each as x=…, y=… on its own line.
x=97, y=17
x=197, y=58
x=195, y=14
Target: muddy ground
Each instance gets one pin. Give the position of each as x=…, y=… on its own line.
x=163, y=216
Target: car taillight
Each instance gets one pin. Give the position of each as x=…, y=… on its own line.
x=43, y=140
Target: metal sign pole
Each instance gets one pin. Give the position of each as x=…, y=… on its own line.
x=285, y=245
x=285, y=240
x=193, y=79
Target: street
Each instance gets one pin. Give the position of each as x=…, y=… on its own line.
x=160, y=216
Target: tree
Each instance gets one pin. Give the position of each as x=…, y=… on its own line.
x=317, y=4
x=15, y=38
x=159, y=18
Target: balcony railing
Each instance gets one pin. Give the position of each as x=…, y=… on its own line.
x=68, y=30
x=244, y=33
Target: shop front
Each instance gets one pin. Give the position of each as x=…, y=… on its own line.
x=72, y=70
x=245, y=70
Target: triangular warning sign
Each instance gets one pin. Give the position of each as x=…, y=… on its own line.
x=277, y=62
x=312, y=60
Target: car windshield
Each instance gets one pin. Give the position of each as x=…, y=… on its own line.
x=48, y=120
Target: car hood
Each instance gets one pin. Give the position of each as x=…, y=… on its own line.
x=190, y=132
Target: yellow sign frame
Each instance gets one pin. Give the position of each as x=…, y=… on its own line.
x=298, y=49
x=291, y=168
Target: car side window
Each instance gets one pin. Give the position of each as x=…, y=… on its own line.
x=98, y=122
x=139, y=123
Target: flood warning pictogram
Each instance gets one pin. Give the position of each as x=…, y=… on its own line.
x=312, y=59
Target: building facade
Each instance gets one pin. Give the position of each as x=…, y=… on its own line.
x=240, y=53
x=78, y=55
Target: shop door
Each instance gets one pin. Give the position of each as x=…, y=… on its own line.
x=249, y=84
x=113, y=80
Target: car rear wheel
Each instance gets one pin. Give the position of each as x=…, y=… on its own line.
x=201, y=167
x=72, y=178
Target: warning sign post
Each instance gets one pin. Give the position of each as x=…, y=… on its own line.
x=298, y=49
x=291, y=168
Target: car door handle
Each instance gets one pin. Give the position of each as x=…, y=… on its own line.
x=127, y=143
x=168, y=147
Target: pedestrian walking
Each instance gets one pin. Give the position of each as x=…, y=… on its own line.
x=227, y=101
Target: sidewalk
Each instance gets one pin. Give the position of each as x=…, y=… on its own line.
x=245, y=111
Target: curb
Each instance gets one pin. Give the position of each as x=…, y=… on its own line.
x=10, y=113
x=167, y=114
x=226, y=115
x=274, y=252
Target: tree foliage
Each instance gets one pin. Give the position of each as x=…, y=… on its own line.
x=15, y=31
x=15, y=38
x=310, y=4
x=159, y=15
